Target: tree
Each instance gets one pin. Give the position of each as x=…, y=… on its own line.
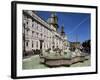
x=87, y=46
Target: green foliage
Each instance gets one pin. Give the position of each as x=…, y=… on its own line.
x=87, y=45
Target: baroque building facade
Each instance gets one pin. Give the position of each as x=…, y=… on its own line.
x=39, y=34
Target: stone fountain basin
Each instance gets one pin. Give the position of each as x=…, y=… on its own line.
x=53, y=62
x=77, y=59
x=58, y=62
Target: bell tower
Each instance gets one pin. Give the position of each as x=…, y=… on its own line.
x=53, y=20
x=62, y=31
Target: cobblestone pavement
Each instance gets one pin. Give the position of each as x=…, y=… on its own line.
x=33, y=62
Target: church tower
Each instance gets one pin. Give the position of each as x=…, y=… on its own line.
x=62, y=31
x=53, y=20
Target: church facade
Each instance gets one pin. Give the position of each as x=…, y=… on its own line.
x=40, y=34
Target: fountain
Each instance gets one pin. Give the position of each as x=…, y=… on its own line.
x=59, y=57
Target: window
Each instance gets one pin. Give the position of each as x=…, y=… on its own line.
x=27, y=31
x=44, y=45
x=24, y=25
x=37, y=44
x=41, y=35
x=37, y=26
x=27, y=22
x=37, y=35
x=40, y=28
x=32, y=44
x=33, y=24
x=32, y=33
x=44, y=36
x=27, y=43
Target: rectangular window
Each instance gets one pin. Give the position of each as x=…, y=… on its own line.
x=33, y=24
x=37, y=44
x=27, y=22
x=32, y=44
x=27, y=43
x=27, y=31
x=37, y=35
x=41, y=36
x=32, y=33
x=24, y=25
x=41, y=28
x=37, y=26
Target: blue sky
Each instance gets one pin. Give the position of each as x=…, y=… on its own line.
x=75, y=24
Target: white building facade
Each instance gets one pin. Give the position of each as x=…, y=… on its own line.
x=40, y=34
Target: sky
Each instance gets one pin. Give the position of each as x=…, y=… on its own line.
x=76, y=25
